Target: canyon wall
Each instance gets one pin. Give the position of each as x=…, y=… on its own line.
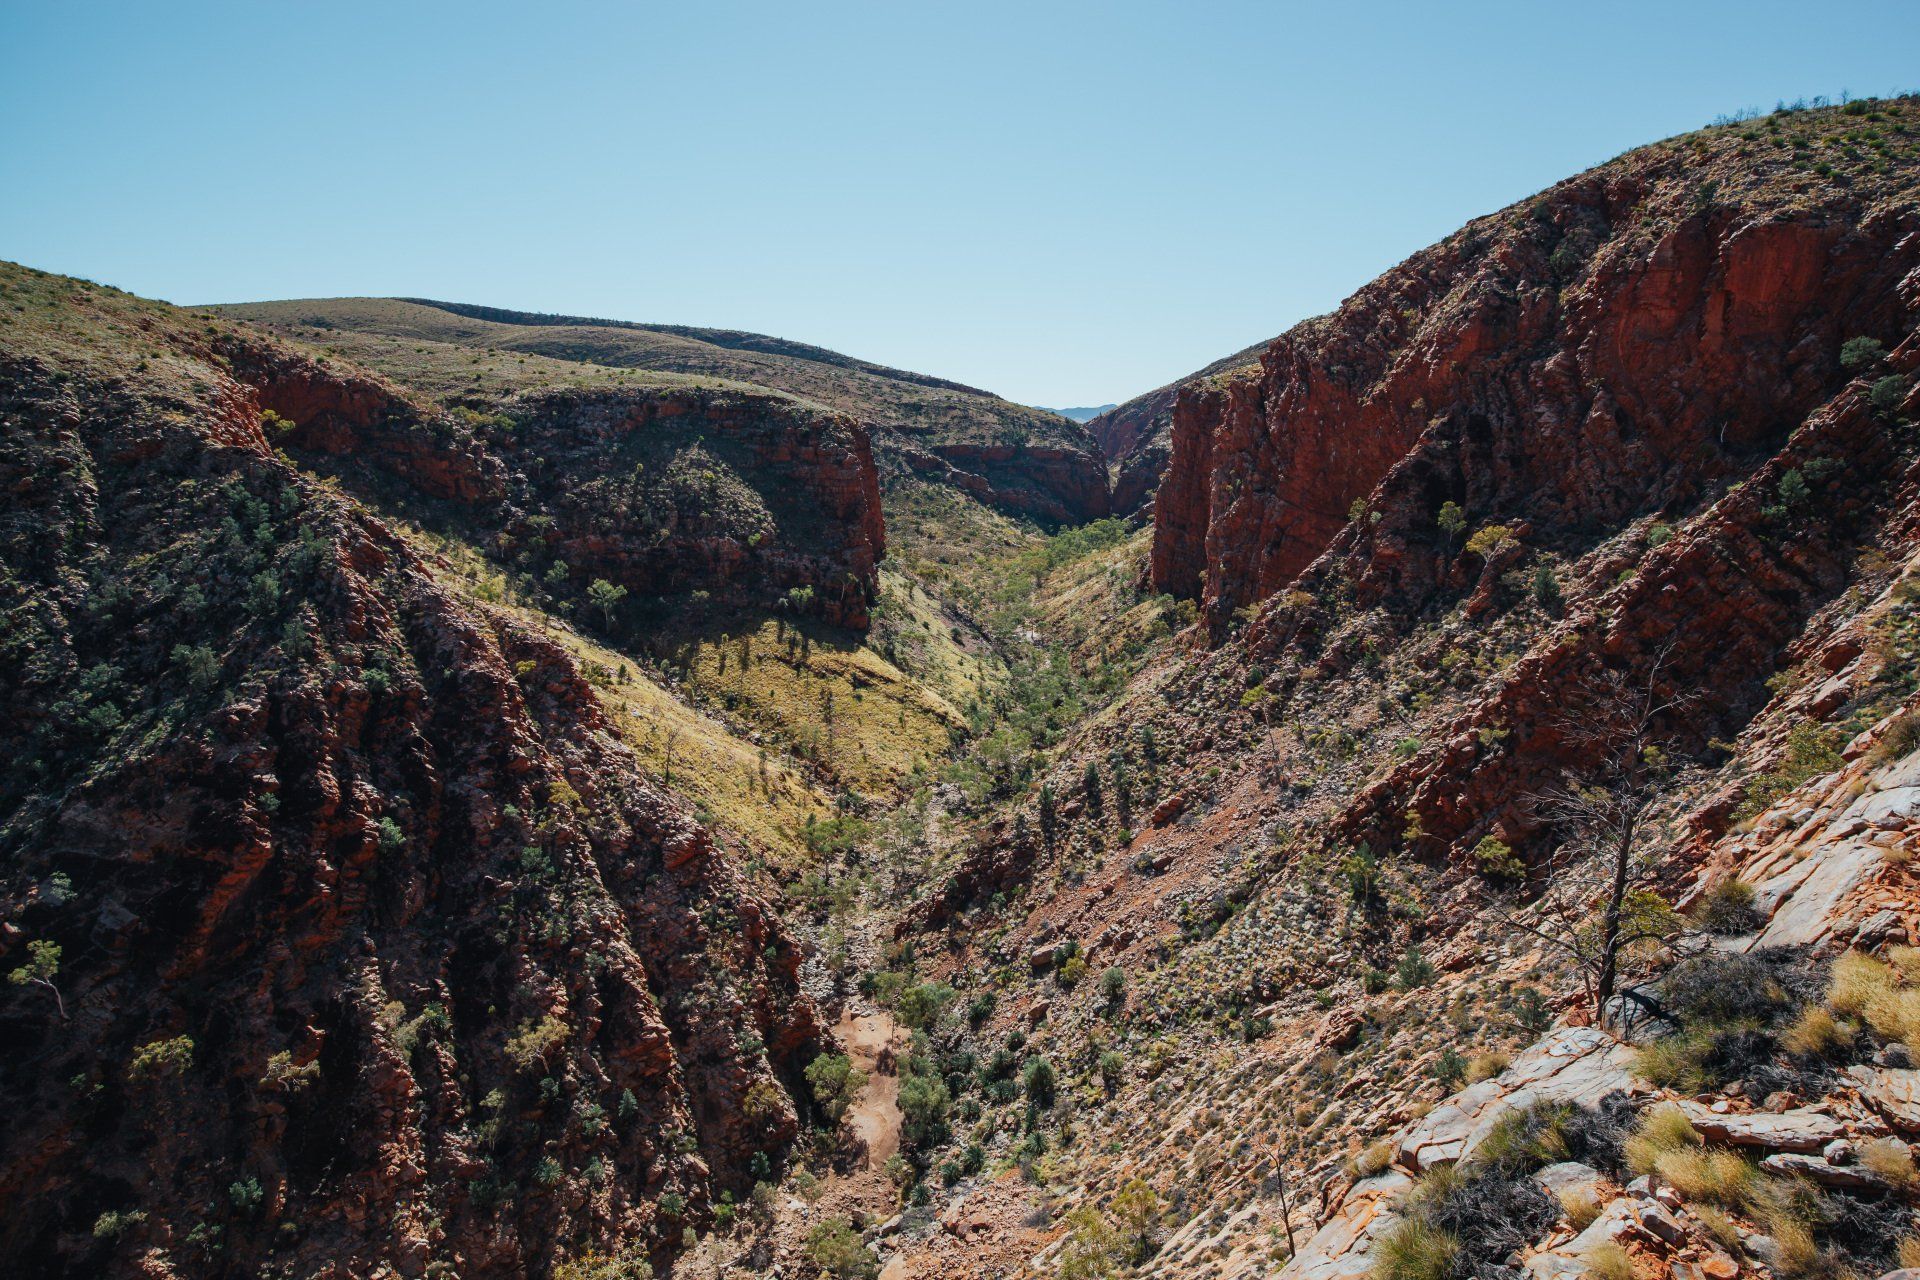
x=1622, y=344
x=361, y=941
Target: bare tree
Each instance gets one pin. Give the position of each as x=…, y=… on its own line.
x=1600, y=903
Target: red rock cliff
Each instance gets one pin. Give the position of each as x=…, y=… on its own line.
x=374, y=948
x=1626, y=338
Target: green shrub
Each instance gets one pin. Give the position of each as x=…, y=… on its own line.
x=161, y=1058
x=246, y=1195
x=923, y=1005
x=627, y=1264
x=1414, y=970
x=835, y=1083
x=1811, y=750
x=1887, y=394
x=1546, y=588
x=112, y=1224
x=1112, y=1068
x=1495, y=859
x=923, y=1102
x=1858, y=354
x=836, y=1248
x=1037, y=1079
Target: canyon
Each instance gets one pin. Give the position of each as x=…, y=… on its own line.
x=498, y=794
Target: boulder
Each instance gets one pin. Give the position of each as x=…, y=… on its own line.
x=1800, y=1129
x=1893, y=1092
x=1572, y=1064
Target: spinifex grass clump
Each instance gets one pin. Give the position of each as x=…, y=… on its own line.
x=1727, y=1017
x=1464, y=1217
x=1817, y=1232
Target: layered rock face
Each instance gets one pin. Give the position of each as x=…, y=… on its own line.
x=1021, y=461
x=1048, y=483
x=672, y=493
x=1137, y=437
x=360, y=943
x=1619, y=345
x=746, y=495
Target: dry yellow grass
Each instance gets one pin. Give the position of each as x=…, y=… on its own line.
x=1486, y=1066
x=1718, y=1224
x=1609, y=1262
x=1814, y=1033
x=849, y=710
x=1581, y=1207
x=1857, y=979
x=1711, y=1177
x=1663, y=1131
x=1890, y=1160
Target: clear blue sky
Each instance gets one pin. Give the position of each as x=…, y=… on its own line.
x=1067, y=203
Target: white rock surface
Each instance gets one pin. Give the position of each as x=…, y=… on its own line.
x=1572, y=1064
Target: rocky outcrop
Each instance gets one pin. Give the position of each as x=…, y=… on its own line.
x=745, y=495
x=365, y=943
x=333, y=409
x=1053, y=485
x=750, y=495
x=1137, y=436
x=1622, y=344
x=1022, y=461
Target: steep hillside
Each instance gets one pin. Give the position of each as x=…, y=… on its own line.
x=1622, y=343
x=1644, y=441
x=1137, y=437
x=346, y=935
x=1019, y=461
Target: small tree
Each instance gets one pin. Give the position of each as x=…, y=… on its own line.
x=1546, y=587
x=1090, y=787
x=1414, y=970
x=1602, y=905
x=835, y=1083
x=1049, y=816
x=1859, y=354
x=1038, y=1080
x=1452, y=521
x=1113, y=1068
x=923, y=1104
x=606, y=597
x=921, y=1006
x=1090, y=1248
x=1887, y=394
x=41, y=968
x=836, y=1248
x=1136, y=1212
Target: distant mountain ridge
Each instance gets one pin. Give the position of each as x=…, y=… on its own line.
x=1081, y=413
x=734, y=339
x=1012, y=459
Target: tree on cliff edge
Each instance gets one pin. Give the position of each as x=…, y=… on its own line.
x=1600, y=905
